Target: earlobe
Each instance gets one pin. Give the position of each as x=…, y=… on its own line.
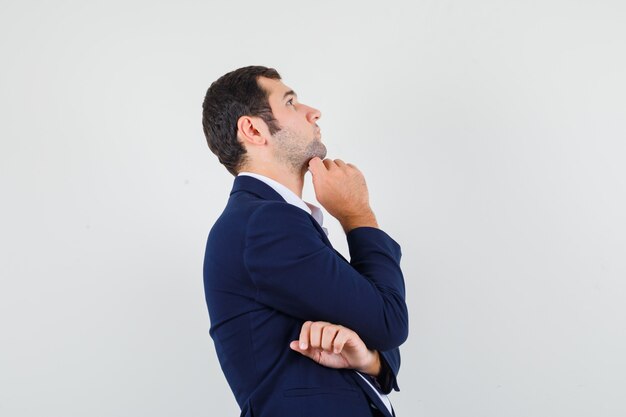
x=251, y=130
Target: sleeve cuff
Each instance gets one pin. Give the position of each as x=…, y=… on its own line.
x=385, y=381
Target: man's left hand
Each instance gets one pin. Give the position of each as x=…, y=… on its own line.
x=336, y=346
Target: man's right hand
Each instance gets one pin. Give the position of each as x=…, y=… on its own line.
x=341, y=190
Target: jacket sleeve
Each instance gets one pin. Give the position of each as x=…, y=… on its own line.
x=297, y=273
x=391, y=366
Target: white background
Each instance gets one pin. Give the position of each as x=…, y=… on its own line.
x=492, y=135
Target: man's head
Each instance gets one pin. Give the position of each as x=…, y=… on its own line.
x=251, y=119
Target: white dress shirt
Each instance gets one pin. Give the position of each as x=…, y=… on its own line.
x=291, y=198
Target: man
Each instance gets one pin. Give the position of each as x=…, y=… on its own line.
x=298, y=330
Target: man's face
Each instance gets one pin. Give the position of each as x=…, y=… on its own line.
x=299, y=138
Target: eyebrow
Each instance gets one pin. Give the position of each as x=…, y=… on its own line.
x=290, y=93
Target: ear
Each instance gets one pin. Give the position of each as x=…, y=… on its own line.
x=252, y=130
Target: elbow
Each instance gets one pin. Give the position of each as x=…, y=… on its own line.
x=391, y=341
x=402, y=334
x=395, y=334
x=399, y=326
x=398, y=336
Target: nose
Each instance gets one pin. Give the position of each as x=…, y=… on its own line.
x=313, y=114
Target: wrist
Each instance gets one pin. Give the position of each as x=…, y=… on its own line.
x=373, y=366
x=350, y=222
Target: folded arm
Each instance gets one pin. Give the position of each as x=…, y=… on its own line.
x=336, y=346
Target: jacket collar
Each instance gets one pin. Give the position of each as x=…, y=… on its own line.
x=260, y=189
x=256, y=187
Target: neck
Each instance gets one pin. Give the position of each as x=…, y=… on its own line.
x=287, y=177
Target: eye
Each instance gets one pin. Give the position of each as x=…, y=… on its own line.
x=290, y=101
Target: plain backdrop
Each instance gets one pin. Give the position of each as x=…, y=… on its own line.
x=492, y=135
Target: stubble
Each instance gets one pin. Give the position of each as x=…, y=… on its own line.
x=296, y=151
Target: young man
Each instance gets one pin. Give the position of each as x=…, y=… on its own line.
x=298, y=330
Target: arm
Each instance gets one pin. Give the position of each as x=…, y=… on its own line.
x=297, y=273
x=336, y=346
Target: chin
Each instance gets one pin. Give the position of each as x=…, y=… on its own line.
x=316, y=148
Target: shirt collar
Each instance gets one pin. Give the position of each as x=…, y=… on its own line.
x=290, y=197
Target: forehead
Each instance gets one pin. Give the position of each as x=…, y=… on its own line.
x=276, y=89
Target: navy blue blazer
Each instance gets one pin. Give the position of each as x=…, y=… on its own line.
x=268, y=268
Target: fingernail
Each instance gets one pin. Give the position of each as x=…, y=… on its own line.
x=302, y=345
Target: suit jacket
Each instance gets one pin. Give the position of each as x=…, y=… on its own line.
x=268, y=268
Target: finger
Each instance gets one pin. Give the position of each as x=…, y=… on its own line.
x=328, y=336
x=329, y=164
x=295, y=345
x=316, y=166
x=304, y=334
x=341, y=339
x=315, y=334
x=340, y=163
x=309, y=353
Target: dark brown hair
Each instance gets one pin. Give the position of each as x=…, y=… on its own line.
x=231, y=96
